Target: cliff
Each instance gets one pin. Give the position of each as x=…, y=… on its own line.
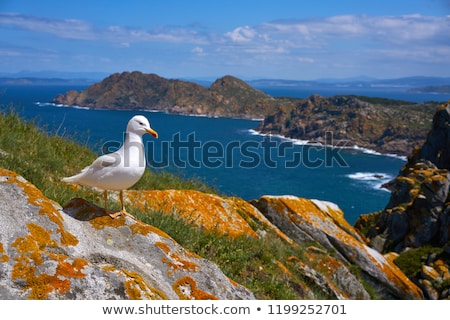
x=227, y=96
x=387, y=126
x=416, y=221
x=77, y=252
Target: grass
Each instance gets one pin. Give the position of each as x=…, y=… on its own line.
x=411, y=261
x=265, y=266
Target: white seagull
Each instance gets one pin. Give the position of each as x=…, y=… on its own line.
x=121, y=169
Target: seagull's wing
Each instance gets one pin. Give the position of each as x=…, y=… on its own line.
x=107, y=160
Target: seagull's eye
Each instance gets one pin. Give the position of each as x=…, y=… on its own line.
x=141, y=123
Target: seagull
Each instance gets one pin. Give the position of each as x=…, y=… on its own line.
x=121, y=169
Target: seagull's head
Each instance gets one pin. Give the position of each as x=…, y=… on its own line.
x=140, y=125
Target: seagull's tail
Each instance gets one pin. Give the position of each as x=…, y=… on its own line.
x=72, y=179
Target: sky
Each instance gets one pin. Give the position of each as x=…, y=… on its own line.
x=250, y=39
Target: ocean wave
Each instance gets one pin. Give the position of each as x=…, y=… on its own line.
x=59, y=105
x=374, y=180
x=376, y=153
x=307, y=142
x=281, y=137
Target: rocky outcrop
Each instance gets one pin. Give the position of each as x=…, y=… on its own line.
x=297, y=221
x=312, y=220
x=418, y=213
x=387, y=126
x=77, y=252
x=227, y=96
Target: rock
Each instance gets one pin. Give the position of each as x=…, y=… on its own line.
x=429, y=273
x=428, y=289
x=335, y=277
x=387, y=126
x=418, y=212
x=47, y=252
x=306, y=220
x=437, y=145
x=229, y=216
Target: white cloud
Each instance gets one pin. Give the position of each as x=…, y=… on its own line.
x=305, y=60
x=82, y=30
x=198, y=51
x=241, y=34
x=64, y=28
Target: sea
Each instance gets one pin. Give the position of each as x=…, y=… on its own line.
x=228, y=153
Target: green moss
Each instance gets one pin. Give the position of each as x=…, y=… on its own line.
x=411, y=261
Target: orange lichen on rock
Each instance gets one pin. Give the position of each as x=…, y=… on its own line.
x=3, y=256
x=33, y=250
x=211, y=212
x=47, y=208
x=137, y=289
x=145, y=229
x=186, y=289
x=97, y=217
x=174, y=261
x=327, y=218
x=100, y=222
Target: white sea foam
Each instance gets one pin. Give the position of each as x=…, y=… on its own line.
x=371, y=179
x=59, y=105
x=307, y=142
x=279, y=136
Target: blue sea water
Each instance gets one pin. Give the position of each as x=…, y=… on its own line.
x=226, y=153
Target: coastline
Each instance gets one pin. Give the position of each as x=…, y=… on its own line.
x=308, y=143
x=200, y=115
x=251, y=131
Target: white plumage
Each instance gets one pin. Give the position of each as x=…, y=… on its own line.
x=121, y=169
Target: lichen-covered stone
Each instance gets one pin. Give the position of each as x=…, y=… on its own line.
x=226, y=215
x=47, y=252
x=314, y=220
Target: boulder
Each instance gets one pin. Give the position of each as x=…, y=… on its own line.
x=78, y=252
x=305, y=220
x=229, y=216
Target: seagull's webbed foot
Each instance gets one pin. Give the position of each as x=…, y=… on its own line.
x=117, y=214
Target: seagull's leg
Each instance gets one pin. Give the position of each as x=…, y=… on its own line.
x=124, y=211
x=121, y=201
x=113, y=215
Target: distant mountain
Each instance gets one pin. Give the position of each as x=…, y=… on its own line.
x=227, y=96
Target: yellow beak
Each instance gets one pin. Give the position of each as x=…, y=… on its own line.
x=152, y=132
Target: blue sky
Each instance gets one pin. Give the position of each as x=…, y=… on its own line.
x=283, y=39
